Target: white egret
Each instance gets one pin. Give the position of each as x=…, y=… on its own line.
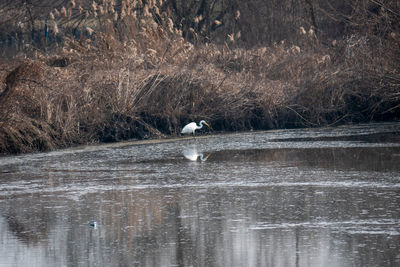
x=191, y=127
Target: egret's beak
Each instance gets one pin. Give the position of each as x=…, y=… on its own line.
x=207, y=124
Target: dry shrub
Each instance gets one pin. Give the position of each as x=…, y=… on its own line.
x=359, y=83
x=22, y=110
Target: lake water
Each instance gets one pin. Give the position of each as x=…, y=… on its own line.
x=304, y=197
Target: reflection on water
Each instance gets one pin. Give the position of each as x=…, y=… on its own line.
x=280, y=198
x=192, y=154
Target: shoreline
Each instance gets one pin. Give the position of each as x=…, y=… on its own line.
x=171, y=139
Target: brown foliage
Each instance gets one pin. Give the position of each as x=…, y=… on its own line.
x=134, y=76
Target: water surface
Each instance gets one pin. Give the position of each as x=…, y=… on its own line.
x=305, y=197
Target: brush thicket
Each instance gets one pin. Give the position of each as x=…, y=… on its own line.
x=133, y=75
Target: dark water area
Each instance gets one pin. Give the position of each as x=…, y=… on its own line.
x=304, y=197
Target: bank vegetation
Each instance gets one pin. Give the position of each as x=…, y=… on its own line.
x=79, y=72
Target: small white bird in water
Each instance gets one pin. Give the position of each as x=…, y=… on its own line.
x=191, y=127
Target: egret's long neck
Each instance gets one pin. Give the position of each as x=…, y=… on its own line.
x=201, y=126
x=202, y=157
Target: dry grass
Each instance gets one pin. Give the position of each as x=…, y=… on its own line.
x=104, y=88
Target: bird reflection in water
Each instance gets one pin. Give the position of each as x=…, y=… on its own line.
x=192, y=154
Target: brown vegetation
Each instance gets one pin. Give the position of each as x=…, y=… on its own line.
x=134, y=72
